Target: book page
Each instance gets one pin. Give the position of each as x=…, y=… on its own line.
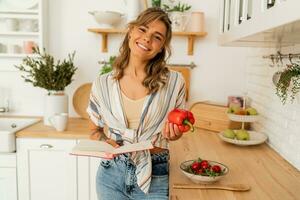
x=93, y=146
x=134, y=147
x=100, y=148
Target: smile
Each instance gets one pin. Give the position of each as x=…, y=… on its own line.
x=142, y=47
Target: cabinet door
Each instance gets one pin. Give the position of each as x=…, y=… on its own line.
x=46, y=170
x=8, y=183
x=87, y=170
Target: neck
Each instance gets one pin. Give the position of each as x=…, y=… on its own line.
x=136, y=68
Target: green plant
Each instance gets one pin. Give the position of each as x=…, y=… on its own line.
x=42, y=72
x=156, y=3
x=289, y=83
x=179, y=7
x=107, y=66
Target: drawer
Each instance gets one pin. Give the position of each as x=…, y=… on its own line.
x=45, y=144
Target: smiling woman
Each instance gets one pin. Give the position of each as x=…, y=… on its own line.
x=133, y=101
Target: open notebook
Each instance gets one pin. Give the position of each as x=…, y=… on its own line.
x=104, y=150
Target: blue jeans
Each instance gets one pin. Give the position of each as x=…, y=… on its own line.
x=116, y=179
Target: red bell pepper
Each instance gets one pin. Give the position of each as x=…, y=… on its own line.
x=182, y=118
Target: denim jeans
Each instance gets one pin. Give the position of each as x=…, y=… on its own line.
x=116, y=179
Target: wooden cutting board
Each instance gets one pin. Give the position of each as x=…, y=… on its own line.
x=213, y=117
x=81, y=99
x=186, y=73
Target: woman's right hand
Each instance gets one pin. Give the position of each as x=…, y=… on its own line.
x=98, y=133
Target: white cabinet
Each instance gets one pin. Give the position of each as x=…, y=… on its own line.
x=45, y=169
x=87, y=170
x=259, y=23
x=22, y=26
x=8, y=176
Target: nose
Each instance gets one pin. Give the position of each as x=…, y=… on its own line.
x=147, y=38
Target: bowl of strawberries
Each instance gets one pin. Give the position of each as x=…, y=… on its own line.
x=203, y=171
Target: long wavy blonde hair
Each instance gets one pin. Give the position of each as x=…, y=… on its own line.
x=156, y=70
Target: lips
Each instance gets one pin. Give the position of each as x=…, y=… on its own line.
x=141, y=46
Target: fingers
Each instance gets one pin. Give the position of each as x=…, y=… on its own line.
x=171, y=131
x=95, y=136
x=112, y=143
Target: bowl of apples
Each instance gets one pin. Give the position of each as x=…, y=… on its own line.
x=238, y=114
x=203, y=171
x=242, y=137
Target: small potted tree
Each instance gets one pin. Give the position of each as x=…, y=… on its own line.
x=288, y=84
x=178, y=15
x=41, y=71
x=107, y=65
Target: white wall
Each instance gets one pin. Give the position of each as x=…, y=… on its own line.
x=279, y=122
x=220, y=71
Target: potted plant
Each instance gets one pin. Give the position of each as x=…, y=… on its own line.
x=42, y=71
x=288, y=84
x=156, y=3
x=177, y=15
x=107, y=65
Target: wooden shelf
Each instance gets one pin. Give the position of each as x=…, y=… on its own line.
x=21, y=33
x=16, y=55
x=190, y=36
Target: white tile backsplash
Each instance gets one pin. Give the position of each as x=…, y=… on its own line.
x=280, y=122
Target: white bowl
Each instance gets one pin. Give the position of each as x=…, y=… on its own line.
x=197, y=178
x=107, y=19
x=255, y=138
x=243, y=118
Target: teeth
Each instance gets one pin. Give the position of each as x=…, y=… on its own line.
x=143, y=47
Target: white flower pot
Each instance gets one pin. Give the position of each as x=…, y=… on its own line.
x=179, y=20
x=55, y=103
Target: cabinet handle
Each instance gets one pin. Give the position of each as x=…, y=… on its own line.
x=46, y=146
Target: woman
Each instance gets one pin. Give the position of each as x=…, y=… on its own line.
x=133, y=101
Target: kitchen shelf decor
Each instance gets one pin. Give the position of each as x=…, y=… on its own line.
x=22, y=27
x=191, y=36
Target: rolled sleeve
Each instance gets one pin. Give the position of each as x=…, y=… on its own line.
x=93, y=108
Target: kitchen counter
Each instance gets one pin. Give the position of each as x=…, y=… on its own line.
x=77, y=129
x=265, y=171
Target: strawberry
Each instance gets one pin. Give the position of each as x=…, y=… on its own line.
x=204, y=164
x=195, y=166
x=216, y=169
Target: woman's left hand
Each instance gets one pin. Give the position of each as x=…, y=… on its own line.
x=171, y=131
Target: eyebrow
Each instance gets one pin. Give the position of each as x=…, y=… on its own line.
x=157, y=32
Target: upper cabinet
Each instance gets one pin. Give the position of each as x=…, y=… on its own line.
x=22, y=26
x=259, y=23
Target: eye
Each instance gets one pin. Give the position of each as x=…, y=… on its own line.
x=158, y=38
x=142, y=29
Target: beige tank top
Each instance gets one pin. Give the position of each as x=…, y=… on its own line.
x=133, y=110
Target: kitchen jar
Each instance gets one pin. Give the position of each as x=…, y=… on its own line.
x=196, y=23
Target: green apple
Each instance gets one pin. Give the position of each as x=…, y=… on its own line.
x=229, y=133
x=230, y=110
x=242, y=134
x=234, y=109
x=251, y=111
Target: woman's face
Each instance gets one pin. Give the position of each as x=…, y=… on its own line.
x=147, y=40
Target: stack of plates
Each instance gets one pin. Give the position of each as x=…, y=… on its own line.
x=21, y=4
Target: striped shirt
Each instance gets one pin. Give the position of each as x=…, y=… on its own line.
x=105, y=108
